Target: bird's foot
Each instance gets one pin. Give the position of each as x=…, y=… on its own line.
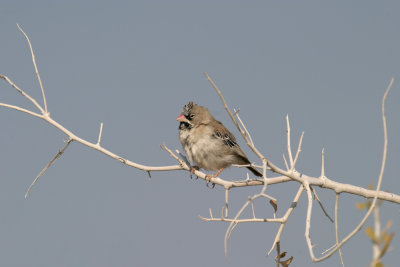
x=192, y=170
x=208, y=180
x=209, y=176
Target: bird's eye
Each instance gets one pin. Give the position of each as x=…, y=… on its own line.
x=191, y=116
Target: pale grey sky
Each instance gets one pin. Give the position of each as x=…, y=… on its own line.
x=132, y=65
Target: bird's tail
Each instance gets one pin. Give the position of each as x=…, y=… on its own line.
x=255, y=171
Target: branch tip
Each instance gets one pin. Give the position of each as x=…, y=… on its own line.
x=60, y=152
x=36, y=69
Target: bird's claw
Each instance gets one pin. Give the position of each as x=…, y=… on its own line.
x=208, y=180
x=192, y=170
x=212, y=185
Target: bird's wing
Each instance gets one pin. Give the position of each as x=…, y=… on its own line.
x=222, y=133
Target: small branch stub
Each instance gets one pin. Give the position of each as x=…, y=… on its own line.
x=100, y=134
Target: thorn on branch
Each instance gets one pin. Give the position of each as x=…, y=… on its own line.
x=100, y=133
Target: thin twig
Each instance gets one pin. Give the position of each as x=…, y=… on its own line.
x=320, y=203
x=264, y=176
x=252, y=209
x=336, y=227
x=183, y=157
x=232, y=226
x=181, y=162
x=36, y=69
x=298, y=149
x=328, y=249
x=244, y=127
x=376, y=251
x=226, y=202
x=289, y=148
x=286, y=217
x=47, y=166
x=382, y=169
x=308, y=217
x=285, y=161
x=237, y=221
x=22, y=110
x=34, y=102
x=242, y=132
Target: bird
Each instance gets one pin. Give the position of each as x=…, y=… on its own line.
x=208, y=143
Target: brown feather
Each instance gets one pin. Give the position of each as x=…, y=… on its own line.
x=207, y=142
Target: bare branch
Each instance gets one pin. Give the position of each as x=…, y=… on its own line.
x=252, y=209
x=264, y=176
x=308, y=218
x=320, y=203
x=237, y=221
x=336, y=227
x=48, y=119
x=244, y=127
x=289, y=148
x=286, y=217
x=226, y=202
x=22, y=92
x=290, y=174
x=36, y=69
x=22, y=110
x=298, y=149
x=60, y=152
x=377, y=231
x=253, y=148
x=285, y=161
x=358, y=227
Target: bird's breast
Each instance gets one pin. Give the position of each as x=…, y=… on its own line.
x=207, y=151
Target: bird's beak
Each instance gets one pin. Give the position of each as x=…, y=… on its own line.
x=181, y=118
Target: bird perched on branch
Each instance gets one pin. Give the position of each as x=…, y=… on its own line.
x=208, y=143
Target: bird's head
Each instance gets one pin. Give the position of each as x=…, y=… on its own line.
x=193, y=115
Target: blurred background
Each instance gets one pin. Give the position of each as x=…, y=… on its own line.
x=133, y=65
